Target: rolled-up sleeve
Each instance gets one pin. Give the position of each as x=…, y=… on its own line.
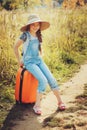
x=23, y=36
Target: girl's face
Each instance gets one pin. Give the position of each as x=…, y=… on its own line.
x=34, y=27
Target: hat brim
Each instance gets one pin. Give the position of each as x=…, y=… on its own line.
x=44, y=25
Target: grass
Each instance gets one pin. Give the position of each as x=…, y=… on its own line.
x=6, y=101
x=52, y=122
x=61, y=42
x=81, y=123
x=64, y=45
x=71, y=109
x=66, y=122
x=69, y=126
x=82, y=99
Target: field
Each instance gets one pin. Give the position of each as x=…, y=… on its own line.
x=64, y=46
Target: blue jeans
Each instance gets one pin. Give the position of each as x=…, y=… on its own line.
x=43, y=75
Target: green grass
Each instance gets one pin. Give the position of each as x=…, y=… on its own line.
x=82, y=99
x=68, y=126
x=64, y=46
x=52, y=122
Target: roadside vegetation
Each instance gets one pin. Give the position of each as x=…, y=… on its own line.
x=64, y=46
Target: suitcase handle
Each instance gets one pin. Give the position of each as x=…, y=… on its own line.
x=21, y=83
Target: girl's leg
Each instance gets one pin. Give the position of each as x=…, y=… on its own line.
x=42, y=82
x=57, y=94
x=61, y=105
x=38, y=99
x=37, y=106
x=52, y=82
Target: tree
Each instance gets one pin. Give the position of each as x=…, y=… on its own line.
x=73, y=3
x=14, y=4
x=60, y=1
x=6, y=4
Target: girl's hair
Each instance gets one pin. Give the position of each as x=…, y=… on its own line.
x=39, y=35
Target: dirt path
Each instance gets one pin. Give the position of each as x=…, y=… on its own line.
x=69, y=91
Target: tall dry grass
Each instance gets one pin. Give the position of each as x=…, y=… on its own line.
x=64, y=43
x=64, y=46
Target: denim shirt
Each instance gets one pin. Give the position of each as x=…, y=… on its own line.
x=30, y=48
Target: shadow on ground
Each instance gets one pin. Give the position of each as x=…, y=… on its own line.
x=21, y=116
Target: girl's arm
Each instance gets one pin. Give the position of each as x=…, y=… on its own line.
x=41, y=51
x=16, y=46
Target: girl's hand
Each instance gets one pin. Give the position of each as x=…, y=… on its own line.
x=41, y=54
x=21, y=64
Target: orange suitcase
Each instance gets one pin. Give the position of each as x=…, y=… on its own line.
x=26, y=87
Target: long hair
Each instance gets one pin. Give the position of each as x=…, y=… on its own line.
x=39, y=36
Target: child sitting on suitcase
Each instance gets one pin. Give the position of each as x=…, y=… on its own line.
x=32, y=39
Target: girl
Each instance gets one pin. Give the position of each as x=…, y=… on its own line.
x=31, y=39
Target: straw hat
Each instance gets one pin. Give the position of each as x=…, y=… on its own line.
x=34, y=18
